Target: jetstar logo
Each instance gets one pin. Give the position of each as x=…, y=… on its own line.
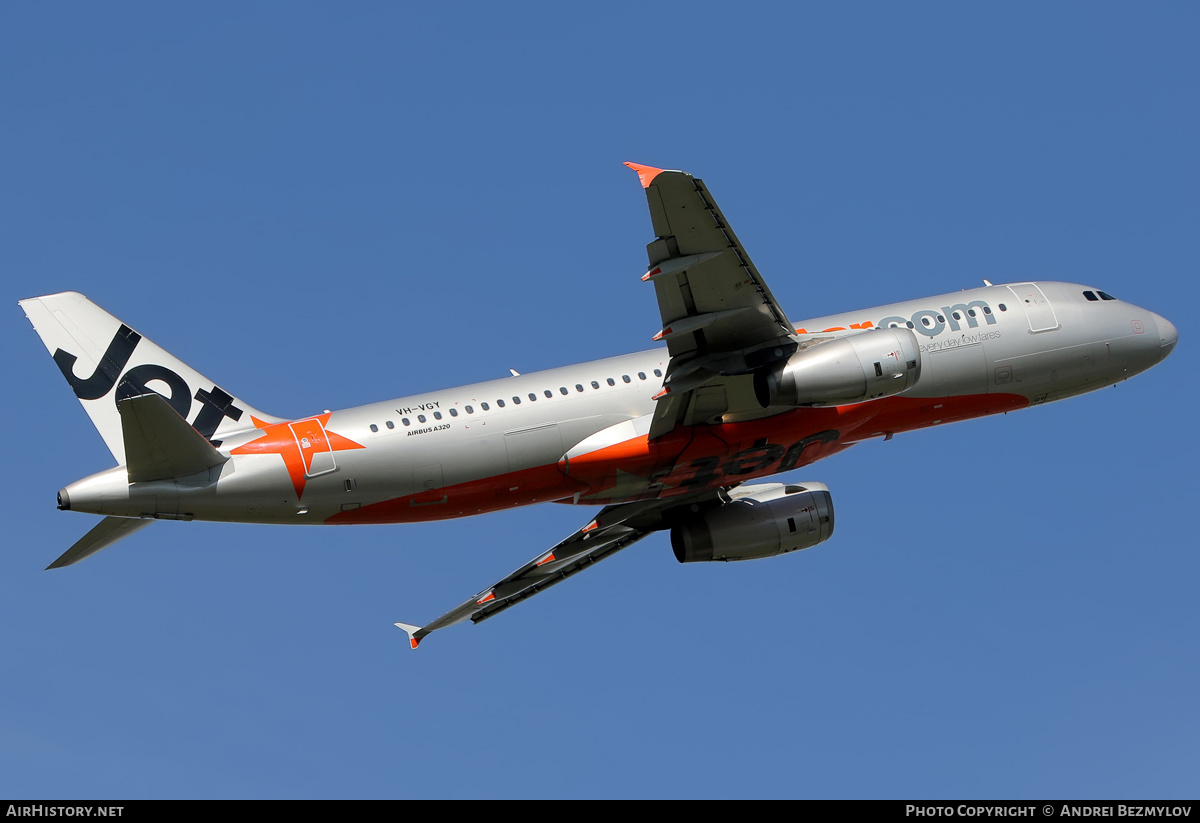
x=299, y=443
x=928, y=322
x=755, y=461
x=215, y=403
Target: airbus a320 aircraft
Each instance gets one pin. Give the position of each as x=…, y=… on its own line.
x=659, y=440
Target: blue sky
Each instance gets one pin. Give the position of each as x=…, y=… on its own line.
x=323, y=207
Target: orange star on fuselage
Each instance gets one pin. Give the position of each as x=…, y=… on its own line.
x=297, y=441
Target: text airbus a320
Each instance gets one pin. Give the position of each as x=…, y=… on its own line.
x=668, y=439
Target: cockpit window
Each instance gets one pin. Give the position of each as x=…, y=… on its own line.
x=1090, y=295
x=1105, y=295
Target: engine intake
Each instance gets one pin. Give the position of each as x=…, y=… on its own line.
x=760, y=521
x=863, y=366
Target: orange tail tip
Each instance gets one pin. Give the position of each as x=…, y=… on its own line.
x=645, y=173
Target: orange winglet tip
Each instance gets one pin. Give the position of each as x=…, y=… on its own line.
x=413, y=640
x=666, y=390
x=546, y=559
x=590, y=526
x=645, y=173
x=651, y=273
x=486, y=598
x=662, y=334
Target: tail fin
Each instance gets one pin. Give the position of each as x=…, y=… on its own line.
x=106, y=362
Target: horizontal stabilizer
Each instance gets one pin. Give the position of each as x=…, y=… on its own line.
x=106, y=532
x=159, y=444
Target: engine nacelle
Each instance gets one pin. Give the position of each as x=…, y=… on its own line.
x=759, y=521
x=864, y=366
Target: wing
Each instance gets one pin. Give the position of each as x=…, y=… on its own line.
x=614, y=528
x=589, y=545
x=720, y=321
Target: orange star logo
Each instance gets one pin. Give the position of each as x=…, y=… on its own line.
x=306, y=447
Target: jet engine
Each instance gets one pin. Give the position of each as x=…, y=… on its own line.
x=758, y=521
x=863, y=366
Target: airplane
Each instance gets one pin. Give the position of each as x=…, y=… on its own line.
x=661, y=440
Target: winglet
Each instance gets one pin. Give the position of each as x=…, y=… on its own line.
x=645, y=173
x=413, y=640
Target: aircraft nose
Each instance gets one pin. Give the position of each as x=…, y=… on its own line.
x=1167, y=336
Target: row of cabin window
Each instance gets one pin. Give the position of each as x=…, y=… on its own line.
x=437, y=415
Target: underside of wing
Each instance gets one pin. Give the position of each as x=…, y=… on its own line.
x=613, y=529
x=710, y=295
x=720, y=322
x=582, y=549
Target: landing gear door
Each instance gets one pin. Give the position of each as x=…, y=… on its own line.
x=313, y=443
x=1038, y=310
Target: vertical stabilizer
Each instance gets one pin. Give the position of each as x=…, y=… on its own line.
x=105, y=361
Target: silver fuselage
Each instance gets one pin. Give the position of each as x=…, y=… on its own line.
x=499, y=444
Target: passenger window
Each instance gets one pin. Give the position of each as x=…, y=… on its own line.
x=595, y=385
x=437, y=415
x=625, y=377
x=612, y=382
x=454, y=412
x=484, y=406
x=420, y=418
x=500, y=403
x=562, y=389
x=374, y=428
x=391, y=425
x=578, y=387
x=470, y=410
x=405, y=421
x=658, y=372
x=549, y=393
x=641, y=375
x=516, y=400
